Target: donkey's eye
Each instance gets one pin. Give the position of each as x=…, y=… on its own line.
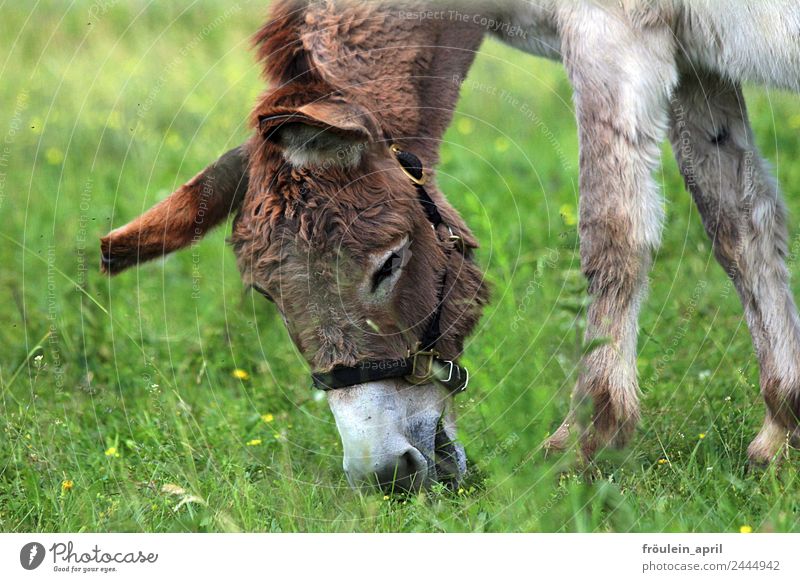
x=386, y=270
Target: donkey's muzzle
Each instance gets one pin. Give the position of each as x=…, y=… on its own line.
x=406, y=472
x=389, y=434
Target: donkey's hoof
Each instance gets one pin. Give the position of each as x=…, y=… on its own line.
x=771, y=445
x=761, y=455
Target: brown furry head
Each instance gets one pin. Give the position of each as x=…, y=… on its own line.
x=332, y=231
x=329, y=226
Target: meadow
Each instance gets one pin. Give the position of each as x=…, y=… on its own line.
x=168, y=399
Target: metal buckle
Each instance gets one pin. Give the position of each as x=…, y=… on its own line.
x=463, y=386
x=418, y=181
x=449, y=372
x=457, y=384
x=452, y=237
x=457, y=241
x=424, y=374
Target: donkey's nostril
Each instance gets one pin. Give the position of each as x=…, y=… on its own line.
x=407, y=472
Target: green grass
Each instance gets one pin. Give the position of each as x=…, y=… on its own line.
x=104, y=113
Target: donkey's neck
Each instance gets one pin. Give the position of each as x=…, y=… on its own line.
x=402, y=65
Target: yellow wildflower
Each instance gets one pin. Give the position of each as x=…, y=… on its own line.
x=465, y=126
x=745, y=529
x=36, y=125
x=267, y=417
x=241, y=374
x=174, y=141
x=114, y=120
x=54, y=156
x=253, y=442
x=67, y=485
x=701, y=436
x=662, y=461
x=112, y=452
x=386, y=498
x=568, y=215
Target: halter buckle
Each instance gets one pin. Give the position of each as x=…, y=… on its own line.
x=456, y=382
x=422, y=371
x=418, y=181
x=456, y=239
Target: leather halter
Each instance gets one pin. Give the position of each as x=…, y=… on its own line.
x=424, y=365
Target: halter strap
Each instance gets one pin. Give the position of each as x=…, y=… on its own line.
x=424, y=365
x=419, y=368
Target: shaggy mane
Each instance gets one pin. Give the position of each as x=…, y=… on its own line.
x=279, y=46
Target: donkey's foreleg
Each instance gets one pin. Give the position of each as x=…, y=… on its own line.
x=744, y=216
x=622, y=80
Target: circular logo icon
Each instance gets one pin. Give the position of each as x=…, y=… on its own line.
x=31, y=555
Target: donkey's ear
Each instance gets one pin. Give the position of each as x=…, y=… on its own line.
x=182, y=218
x=318, y=133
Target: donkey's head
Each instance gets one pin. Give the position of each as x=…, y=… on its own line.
x=371, y=270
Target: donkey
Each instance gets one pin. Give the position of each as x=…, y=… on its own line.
x=334, y=197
